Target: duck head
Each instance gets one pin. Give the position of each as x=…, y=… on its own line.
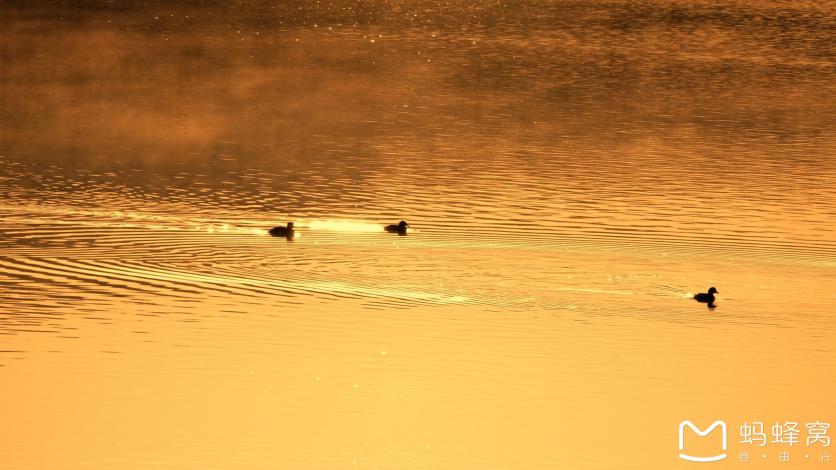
x=403, y=225
x=290, y=225
x=713, y=290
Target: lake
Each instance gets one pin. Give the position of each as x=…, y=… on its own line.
x=573, y=172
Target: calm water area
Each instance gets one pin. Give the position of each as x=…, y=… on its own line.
x=572, y=173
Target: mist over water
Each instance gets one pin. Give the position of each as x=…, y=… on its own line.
x=572, y=173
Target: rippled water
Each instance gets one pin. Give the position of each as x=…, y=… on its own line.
x=572, y=173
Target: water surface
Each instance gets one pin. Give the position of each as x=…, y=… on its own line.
x=572, y=171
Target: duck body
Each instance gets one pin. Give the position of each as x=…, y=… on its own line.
x=399, y=228
x=279, y=231
x=706, y=297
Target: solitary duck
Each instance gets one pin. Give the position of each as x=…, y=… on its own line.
x=280, y=231
x=707, y=297
x=400, y=228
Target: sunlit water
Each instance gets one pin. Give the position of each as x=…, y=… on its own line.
x=572, y=172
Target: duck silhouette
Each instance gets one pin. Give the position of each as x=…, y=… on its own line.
x=280, y=231
x=708, y=297
x=399, y=228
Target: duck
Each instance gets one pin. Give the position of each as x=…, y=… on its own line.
x=707, y=297
x=280, y=231
x=399, y=228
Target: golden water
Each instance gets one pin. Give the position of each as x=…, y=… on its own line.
x=572, y=172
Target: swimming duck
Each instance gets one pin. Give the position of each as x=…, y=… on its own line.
x=280, y=231
x=706, y=297
x=400, y=228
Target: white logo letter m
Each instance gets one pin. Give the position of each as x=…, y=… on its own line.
x=713, y=458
